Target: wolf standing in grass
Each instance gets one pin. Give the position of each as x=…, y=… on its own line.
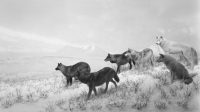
x=178, y=71
x=70, y=71
x=142, y=58
x=98, y=78
x=120, y=59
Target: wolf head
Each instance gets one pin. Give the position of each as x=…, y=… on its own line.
x=159, y=40
x=108, y=58
x=59, y=66
x=161, y=58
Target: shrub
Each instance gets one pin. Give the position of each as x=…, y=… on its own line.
x=160, y=105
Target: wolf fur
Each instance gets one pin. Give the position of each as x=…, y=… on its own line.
x=142, y=58
x=187, y=53
x=120, y=59
x=70, y=71
x=178, y=71
x=98, y=78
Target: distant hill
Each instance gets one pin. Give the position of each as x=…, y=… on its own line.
x=89, y=51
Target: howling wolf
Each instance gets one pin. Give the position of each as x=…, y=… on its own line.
x=98, y=78
x=70, y=71
x=120, y=59
x=178, y=71
x=187, y=53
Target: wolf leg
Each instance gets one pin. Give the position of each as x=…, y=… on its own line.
x=70, y=80
x=118, y=68
x=140, y=66
x=67, y=80
x=89, y=93
x=113, y=83
x=172, y=77
x=141, y=63
x=152, y=64
x=106, y=87
x=95, y=91
x=130, y=65
x=137, y=65
x=133, y=62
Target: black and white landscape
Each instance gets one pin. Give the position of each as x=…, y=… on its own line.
x=36, y=35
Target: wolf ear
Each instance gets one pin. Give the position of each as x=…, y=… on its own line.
x=162, y=55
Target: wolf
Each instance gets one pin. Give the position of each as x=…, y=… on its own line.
x=98, y=78
x=71, y=71
x=119, y=59
x=141, y=58
x=178, y=71
x=186, y=53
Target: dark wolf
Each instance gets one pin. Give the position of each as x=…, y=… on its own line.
x=70, y=71
x=98, y=78
x=186, y=53
x=142, y=58
x=120, y=59
x=178, y=71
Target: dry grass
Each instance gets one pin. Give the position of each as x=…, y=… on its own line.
x=137, y=90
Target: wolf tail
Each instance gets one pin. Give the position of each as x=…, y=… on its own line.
x=194, y=56
x=189, y=79
x=116, y=77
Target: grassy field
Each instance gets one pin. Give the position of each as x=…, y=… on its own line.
x=145, y=91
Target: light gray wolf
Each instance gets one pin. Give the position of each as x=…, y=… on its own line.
x=143, y=58
x=186, y=53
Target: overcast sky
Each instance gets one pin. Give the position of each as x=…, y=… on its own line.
x=113, y=25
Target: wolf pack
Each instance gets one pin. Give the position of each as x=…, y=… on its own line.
x=177, y=58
